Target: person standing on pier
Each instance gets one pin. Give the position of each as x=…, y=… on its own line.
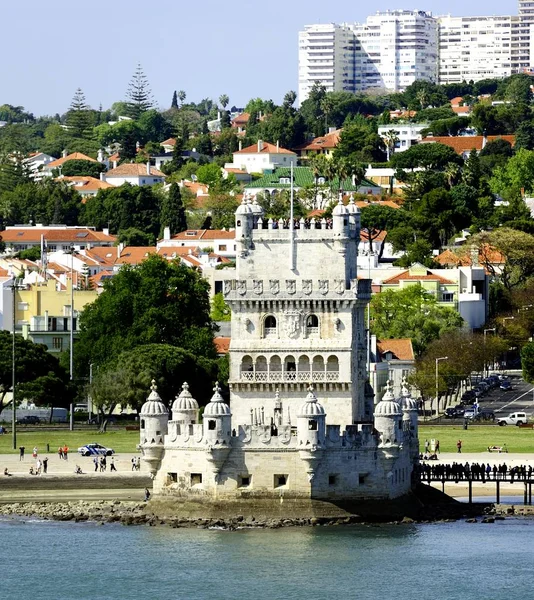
x=459, y=446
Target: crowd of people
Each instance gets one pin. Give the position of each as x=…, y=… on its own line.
x=475, y=472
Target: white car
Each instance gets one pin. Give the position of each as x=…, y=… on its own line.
x=518, y=418
x=95, y=450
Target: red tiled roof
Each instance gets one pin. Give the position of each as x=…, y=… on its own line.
x=98, y=279
x=461, y=110
x=33, y=234
x=379, y=238
x=204, y=234
x=267, y=148
x=133, y=255
x=104, y=255
x=401, y=349
x=486, y=255
x=406, y=276
x=456, y=101
x=64, y=159
x=330, y=140
x=461, y=144
x=133, y=170
x=169, y=142
x=241, y=119
x=86, y=183
x=222, y=344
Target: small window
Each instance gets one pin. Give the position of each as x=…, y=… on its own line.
x=280, y=481
x=173, y=477
x=361, y=479
x=57, y=343
x=212, y=425
x=312, y=425
x=312, y=321
x=158, y=432
x=142, y=423
x=222, y=248
x=270, y=322
x=244, y=481
x=332, y=479
x=196, y=478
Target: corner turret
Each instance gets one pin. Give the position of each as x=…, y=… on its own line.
x=311, y=432
x=340, y=219
x=185, y=407
x=217, y=424
x=388, y=415
x=244, y=224
x=154, y=422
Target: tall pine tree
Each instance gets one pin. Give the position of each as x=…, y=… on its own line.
x=138, y=96
x=174, y=103
x=172, y=211
x=79, y=118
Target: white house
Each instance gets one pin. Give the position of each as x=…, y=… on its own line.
x=220, y=241
x=135, y=174
x=262, y=157
x=408, y=134
x=86, y=185
x=36, y=162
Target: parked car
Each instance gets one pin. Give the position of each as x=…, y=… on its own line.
x=453, y=413
x=505, y=385
x=471, y=413
x=95, y=450
x=486, y=415
x=469, y=395
x=518, y=418
x=29, y=420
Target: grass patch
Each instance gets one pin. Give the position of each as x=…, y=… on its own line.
x=477, y=438
x=120, y=440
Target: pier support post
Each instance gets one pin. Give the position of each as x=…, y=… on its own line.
x=470, y=491
x=498, y=492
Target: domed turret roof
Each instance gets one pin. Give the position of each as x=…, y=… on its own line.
x=406, y=401
x=311, y=408
x=340, y=209
x=352, y=209
x=388, y=407
x=184, y=401
x=153, y=407
x=244, y=208
x=217, y=407
x=256, y=209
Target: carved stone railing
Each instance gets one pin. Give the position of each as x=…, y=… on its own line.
x=289, y=376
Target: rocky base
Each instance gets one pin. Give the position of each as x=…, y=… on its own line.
x=427, y=506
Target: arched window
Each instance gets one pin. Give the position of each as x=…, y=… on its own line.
x=247, y=368
x=269, y=325
x=312, y=325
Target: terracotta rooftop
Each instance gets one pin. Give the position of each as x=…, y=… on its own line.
x=379, y=238
x=241, y=119
x=133, y=170
x=105, y=255
x=74, y=156
x=456, y=101
x=222, y=344
x=204, y=235
x=133, y=255
x=401, y=348
x=461, y=144
x=267, y=148
x=486, y=255
x=330, y=140
x=86, y=183
x=33, y=234
x=461, y=110
x=407, y=276
x=99, y=279
x=4, y=273
x=168, y=142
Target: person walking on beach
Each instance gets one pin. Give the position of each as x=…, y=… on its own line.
x=459, y=446
x=147, y=495
x=34, y=454
x=133, y=464
x=95, y=462
x=60, y=452
x=38, y=466
x=66, y=452
x=426, y=446
x=21, y=453
x=138, y=464
x=112, y=464
x=45, y=464
x=436, y=447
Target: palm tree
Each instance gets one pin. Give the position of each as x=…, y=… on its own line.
x=181, y=97
x=223, y=99
x=390, y=139
x=451, y=172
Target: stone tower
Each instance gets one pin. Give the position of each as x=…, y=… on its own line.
x=298, y=315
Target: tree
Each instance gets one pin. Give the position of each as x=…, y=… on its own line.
x=390, y=139
x=524, y=136
x=174, y=101
x=182, y=96
x=413, y=313
x=172, y=211
x=134, y=237
x=220, y=311
x=155, y=302
x=223, y=99
x=517, y=248
x=518, y=173
x=138, y=95
x=79, y=118
x=426, y=156
x=375, y=219
x=82, y=167
x=38, y=374
x=360, y=143
x=135, y=369
x=527, y=362
x=222, y=207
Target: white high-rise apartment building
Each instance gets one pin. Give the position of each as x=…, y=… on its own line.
x=326, y=55
x=394, y=48
x=390, y=50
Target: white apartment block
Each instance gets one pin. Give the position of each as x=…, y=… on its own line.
x=389, y=51
x=326, y=55
x=394, y=49
x=475, y=48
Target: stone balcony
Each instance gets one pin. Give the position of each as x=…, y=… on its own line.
x=289, y=376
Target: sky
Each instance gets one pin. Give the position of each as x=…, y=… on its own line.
x=207, y=48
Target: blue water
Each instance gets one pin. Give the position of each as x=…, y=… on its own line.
x=42, y=560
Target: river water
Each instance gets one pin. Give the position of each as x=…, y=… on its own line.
x=45, y=560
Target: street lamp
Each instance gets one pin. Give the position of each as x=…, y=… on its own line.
x=485, y=331
x=14, y=287
x=437, y=373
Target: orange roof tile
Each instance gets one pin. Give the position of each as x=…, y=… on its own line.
x=330, y=140
x=133, y=255
x=133, y=170
x=401, y=348
x=33, y=234
x=74, y=156
x=104, y=254
x=456, y=101
x=114, y=157
x=461, y=144
x=461, y=110
x=99, y=279
x=486, y=255
x=241, y=119
x=168, y=142
x=86, y=183
x=222, y=344
x=204, y=234
x=379, y=238
x=406, y=276
x=267, y=148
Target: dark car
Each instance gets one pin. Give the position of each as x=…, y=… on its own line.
x=454, y=413
x=29, y=420
x=506, y=385
x=467, y=396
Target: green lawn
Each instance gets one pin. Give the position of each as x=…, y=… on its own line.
x=120, y=440
x=478, y=438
